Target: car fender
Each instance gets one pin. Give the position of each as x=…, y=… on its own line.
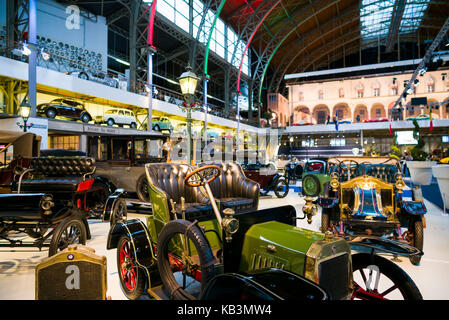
x=110, y=203
x=415, y=208
x=142, y=246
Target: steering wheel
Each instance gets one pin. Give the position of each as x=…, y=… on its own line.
x=200, y=176
x=348, y=165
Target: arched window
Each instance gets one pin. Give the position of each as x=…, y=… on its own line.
x=430, y=84
x=360, y=89
x=320, y=95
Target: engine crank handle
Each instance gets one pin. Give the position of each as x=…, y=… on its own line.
x=213, y=203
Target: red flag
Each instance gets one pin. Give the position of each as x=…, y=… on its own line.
x=389, y=118
x=431, y=122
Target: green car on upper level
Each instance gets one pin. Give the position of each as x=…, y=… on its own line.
x=162, y=123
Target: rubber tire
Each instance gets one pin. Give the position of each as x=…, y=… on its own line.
x=405, y=284
x=418, y=239
x=60, y=229
x=157, y=128
x=277, y=193
x=325, y=221
x=49, y=114
x=141, y=277
x=202, y=246
x=85, y=118
x=83, y=75
x=120, y=203
x=317, y=182
x=110, y=122
x=143, y=196
x=133, y=125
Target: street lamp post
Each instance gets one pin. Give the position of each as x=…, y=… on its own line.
x=188, y=82
x=25, y=111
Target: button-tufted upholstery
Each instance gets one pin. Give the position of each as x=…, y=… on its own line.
x=233, y=190
x=59, y=176
x=169, y=179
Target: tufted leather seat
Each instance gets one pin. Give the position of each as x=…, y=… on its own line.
x=59, y=176
x=168, y=179
x=233, y=189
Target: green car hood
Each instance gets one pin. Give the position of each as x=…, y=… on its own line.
x=277, y=245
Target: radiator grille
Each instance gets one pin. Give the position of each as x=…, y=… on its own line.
x=51, y=282
x=334, y=277
x=261, y=261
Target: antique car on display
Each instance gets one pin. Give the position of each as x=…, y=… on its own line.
x=293, y=170
x=423, y=117
x=97, y=76
x=162, y=123
x=16, y=150
x=51, y=203
x=364, y=196
x=267, y=178
x=121, y=159
x=313, y=177
x=206, y=239
x=118, y=116
x=65, y=108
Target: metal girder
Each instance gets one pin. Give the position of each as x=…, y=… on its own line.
x=117, y=15
x=282, y=34
x=11, y=90
x=346, y=17
x=16, y=21
x=245, y=35
x=396, y=19
x=436, y=42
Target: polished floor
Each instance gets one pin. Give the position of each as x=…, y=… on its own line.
x=17, y=266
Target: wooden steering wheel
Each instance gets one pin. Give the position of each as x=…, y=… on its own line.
x=200, y=176
x=348, y=163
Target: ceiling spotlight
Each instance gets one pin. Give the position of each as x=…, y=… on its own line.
x=394, y=80
x=409, y=91
x=416, y=82
x=25, y=50
x=44, y=55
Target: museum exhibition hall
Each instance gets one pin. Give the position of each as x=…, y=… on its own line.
x=224, y=150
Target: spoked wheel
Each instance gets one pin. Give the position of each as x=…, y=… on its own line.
x=185, y=259
x=142, y=189
x=281, y=189
x=119, y=212
x=69, y=231
x=376, y=278
x=132, y=278
x=416, y=238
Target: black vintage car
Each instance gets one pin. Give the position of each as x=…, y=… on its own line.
x=51, y=203
x=65, y=108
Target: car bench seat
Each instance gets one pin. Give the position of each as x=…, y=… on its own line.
x=166, y=182
x=232, y=189
x=59, y=176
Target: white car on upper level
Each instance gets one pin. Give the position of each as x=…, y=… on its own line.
x=118, y=116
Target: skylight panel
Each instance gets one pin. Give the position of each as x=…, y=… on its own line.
x=375, y=17
x=413, y=14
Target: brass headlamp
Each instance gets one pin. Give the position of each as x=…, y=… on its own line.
x=309, y=209
x=229, y=223
x=399, y=184
x=334, y=183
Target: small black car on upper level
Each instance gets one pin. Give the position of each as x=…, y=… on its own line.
x=66, y=108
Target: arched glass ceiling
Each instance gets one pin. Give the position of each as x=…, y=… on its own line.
x=224, y=39
x=376, y=17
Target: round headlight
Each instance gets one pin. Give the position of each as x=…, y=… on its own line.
x=232, y=225
x=46, y=204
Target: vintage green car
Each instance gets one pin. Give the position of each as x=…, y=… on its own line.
x=364, y=196
x=205, y=227
x=314, y=178
x=161, y=123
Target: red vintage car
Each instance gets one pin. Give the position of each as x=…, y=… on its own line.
x=267, y=178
